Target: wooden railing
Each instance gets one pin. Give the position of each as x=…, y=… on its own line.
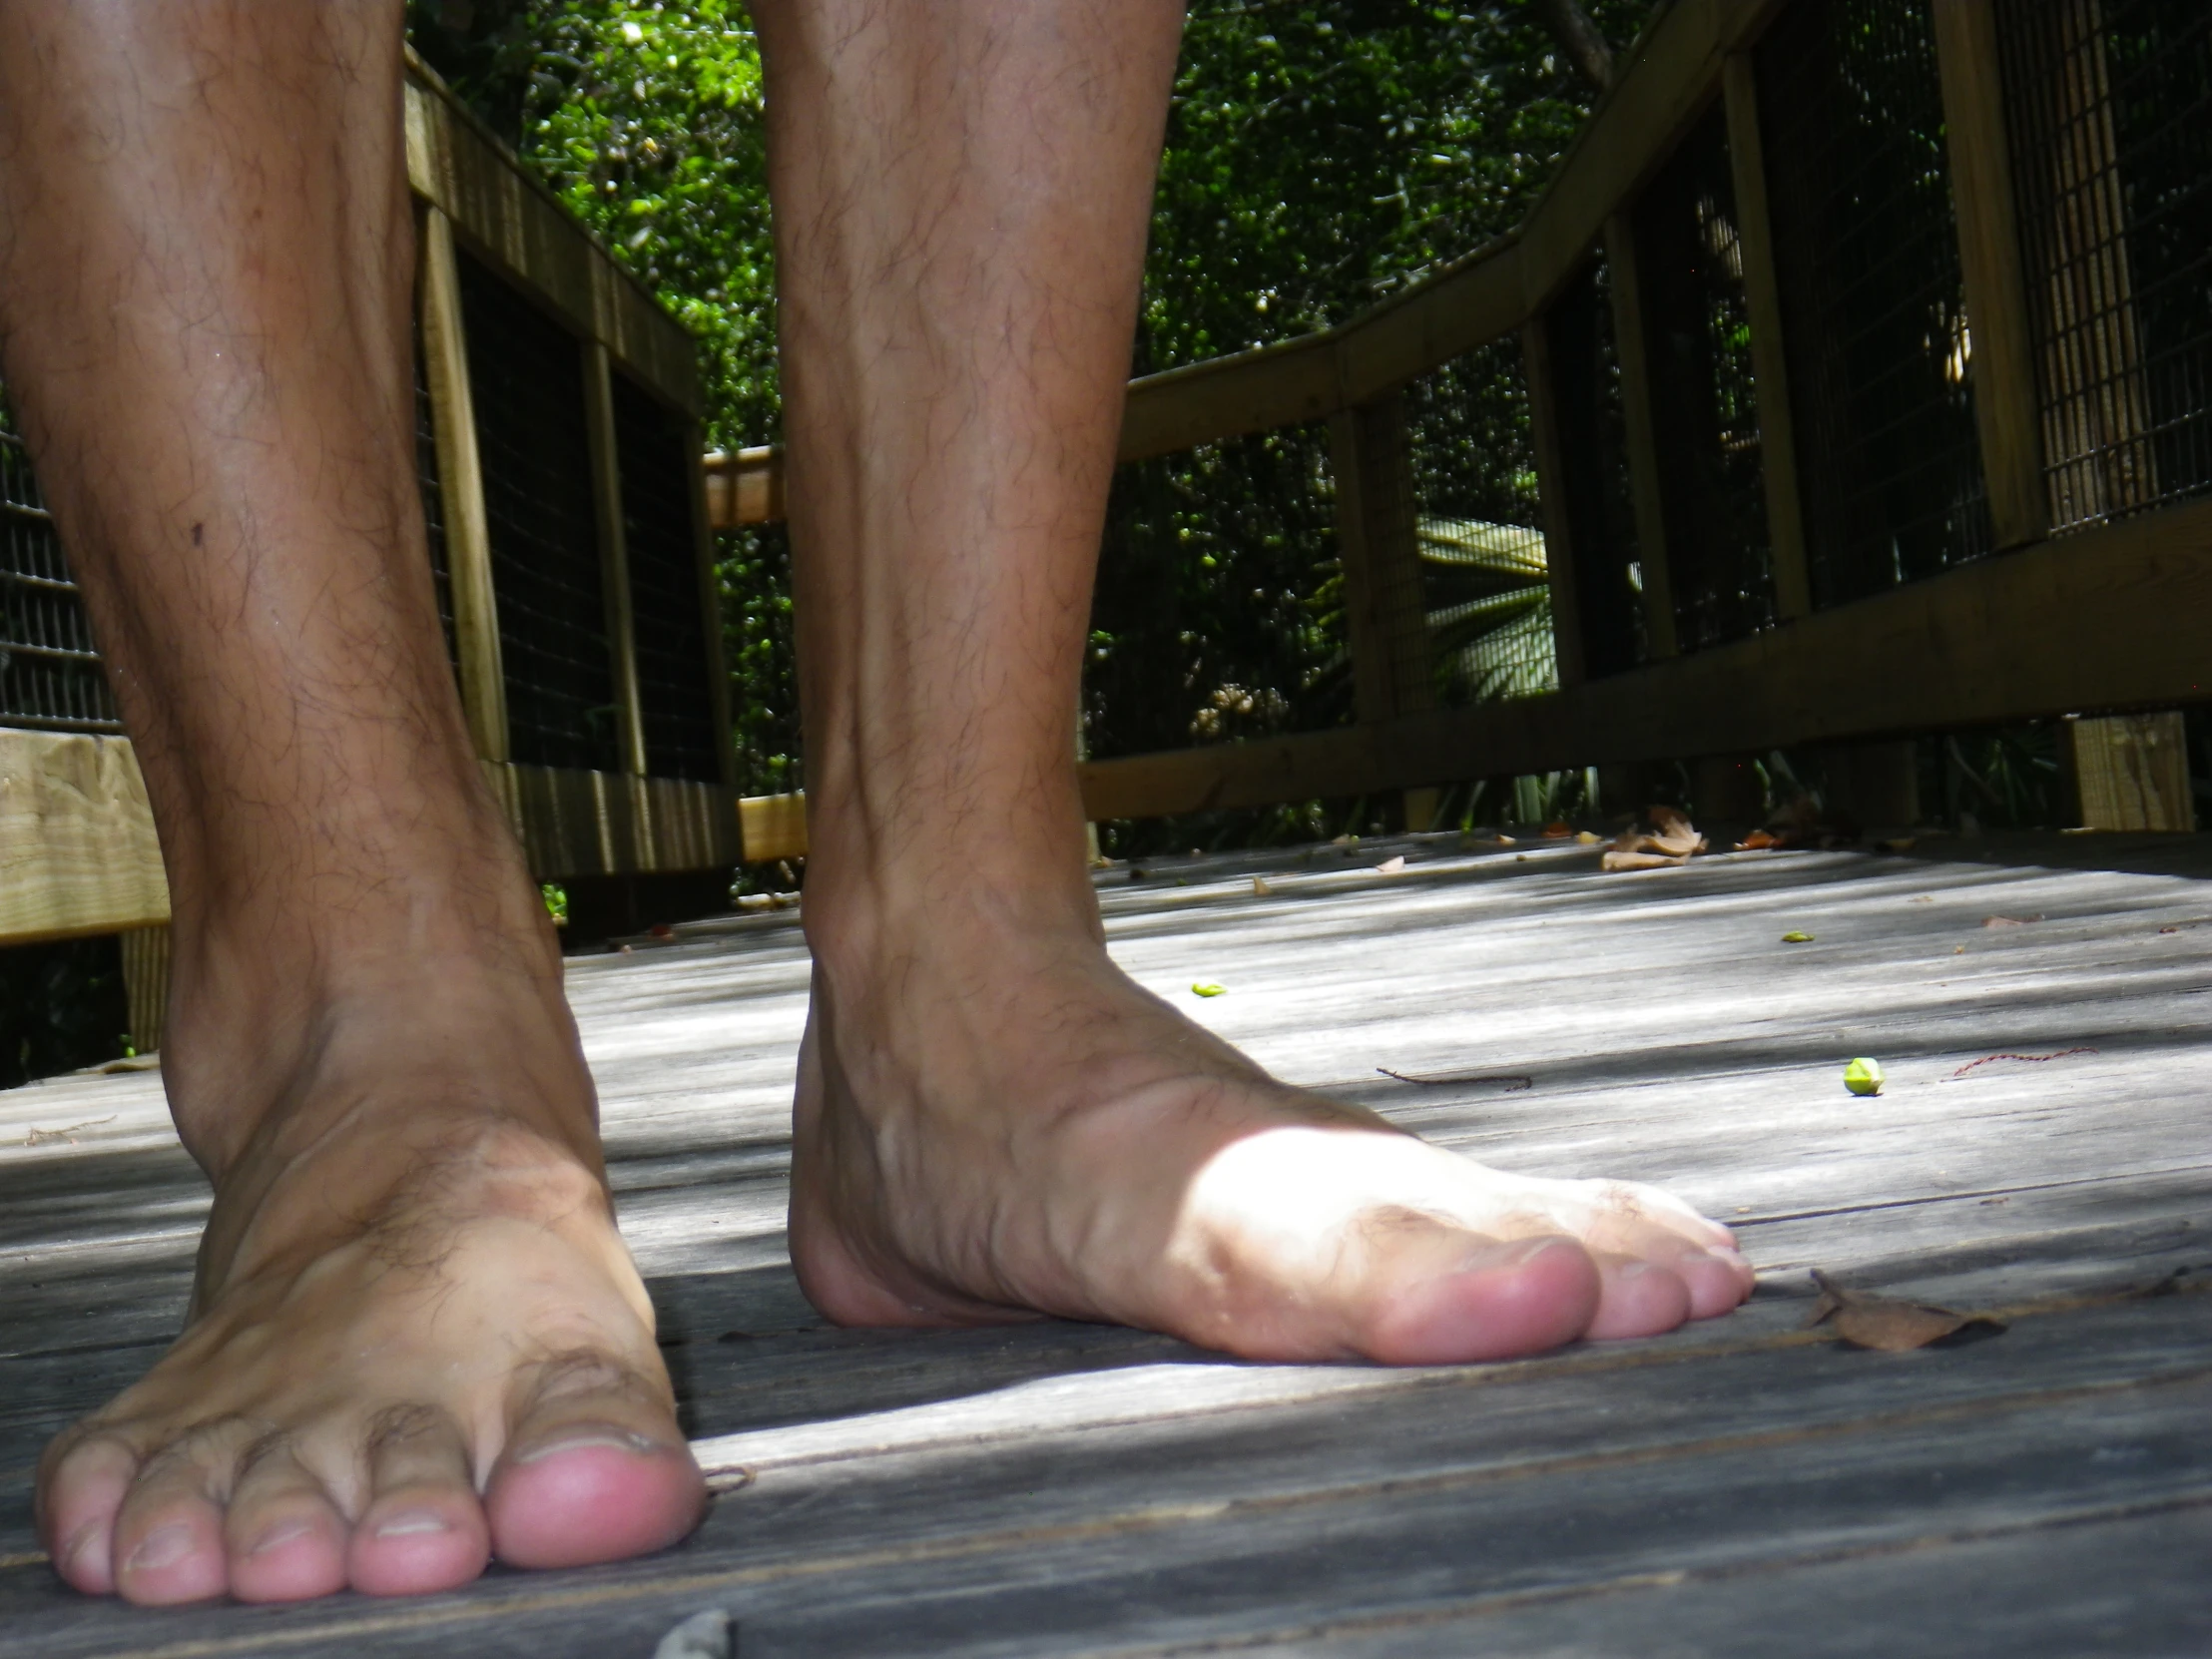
x=2109, y=618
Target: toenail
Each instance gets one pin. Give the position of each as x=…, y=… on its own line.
x=1520, y=1253
x=1734, y=1258
x=616, y=1439
x=165, y=1546
x=79, y=1541
x=279, y=1536
x=412, y=1525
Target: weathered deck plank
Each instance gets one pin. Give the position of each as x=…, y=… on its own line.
x=1064, y=1489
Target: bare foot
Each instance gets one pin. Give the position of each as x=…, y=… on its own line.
x=416, y=1340
x=992, y=1119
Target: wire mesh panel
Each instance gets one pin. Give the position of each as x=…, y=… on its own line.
x=654, y=453
x=433, y=499
x=2109, y=106
x=1598, y=498
x=1220, y=603
x=1875, y=318
x=50, y=672
x=1478, y=527
x=527, y=379
x=753, y=573
x=1703, y=403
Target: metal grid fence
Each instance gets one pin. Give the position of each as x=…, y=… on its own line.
x=1866, y=257
x=655, y=455
x=51, y=677
x=1476, y=524
x=526, y=380
x=1697, y=331
x=2109, y=104
x=1218, y=610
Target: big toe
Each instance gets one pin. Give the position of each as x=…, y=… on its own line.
x=1481, y=1301
x=597, y=1475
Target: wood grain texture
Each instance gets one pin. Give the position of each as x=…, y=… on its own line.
x=461, y=490
x=2003, y=368
x=515, y=223
x=1640, y=437
x=1059, y=1490
x=609, y=824
x=1763, y=304
x=614, y=554
x=744, y=487
x=78, y=853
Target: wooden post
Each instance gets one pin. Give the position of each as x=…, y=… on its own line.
x=1793, y=588
x=2002, y=341
x=1386, y=620
x=145, y=983
x=1643, y=441
x=1559, y=551
x=614, y=556
x=2131, y=772
x=461, y=491
x=709, y=610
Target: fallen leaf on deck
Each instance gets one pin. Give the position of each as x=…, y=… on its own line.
x=1885, y=1322
x=1558, y=832
x=1921, y=898
x=2169, y=930
x=661, y=931
x=1586, y=838
x=2008, y=922
x=1754, y=842
x=1895, y=843
x=152, y=1062
x=1800, y=822
x=1260, y=888
x=1671, y=840
x=1797, y=938
x=1504, y=839
x=1206, y=987
x=1390, y=866
x=38, y=1137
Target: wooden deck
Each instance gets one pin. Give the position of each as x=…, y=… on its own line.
x=1747, y=1486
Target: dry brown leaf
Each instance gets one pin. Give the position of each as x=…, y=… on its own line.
x=1757, y=839
x=1588, y=839
x=1671, y=840
x=1558, y=832
x=1887, y=1324
x=1260, y=888
x=1391, y=866
x=2008, y=922
x=1622, y=858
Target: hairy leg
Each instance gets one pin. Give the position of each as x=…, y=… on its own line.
x=991, y=1119
x=416, y=1338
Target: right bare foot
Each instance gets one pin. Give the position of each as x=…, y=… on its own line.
x=416, y=1340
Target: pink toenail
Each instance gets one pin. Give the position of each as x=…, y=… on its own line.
x=79, y=1541
x=613, y=1438
x=412, y=1525
x=280, y=1534
x=163, y=1547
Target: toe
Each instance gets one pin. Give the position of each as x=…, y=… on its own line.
x=423, y=1530
x=1492, y=1301
x=1718, y=1281
x=169, y=1543
x=285, y=1538
x=595, y=1470
x=1637, y=1298
x=81, y=1491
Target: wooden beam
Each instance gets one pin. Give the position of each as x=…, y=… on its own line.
x=1778, y=461
x=1225, y=398
x=2006, y=400
x=1469, y=303
x=525, y=230
x=1642, y=439
x=1386, y=625
x=1552, y=490
x=2131, y=772
x=1655, y=99
x=772, y=827
x=745, y=487
x=710, y=616
x=2108, y=619
x=461, y=491
x=614, y=823
x=614, y=555
x=78, y=853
